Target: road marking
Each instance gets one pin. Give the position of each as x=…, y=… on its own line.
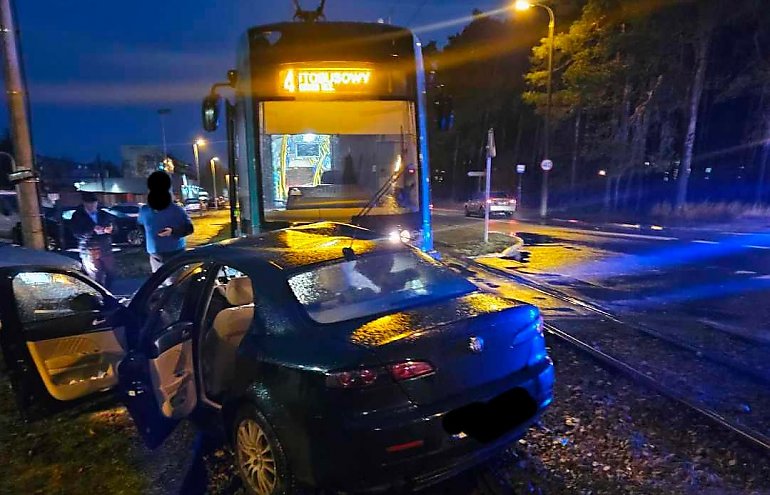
x=627, y=225
x=744, y=272
x=701, y=241
x=757, y=247
x=630, y=236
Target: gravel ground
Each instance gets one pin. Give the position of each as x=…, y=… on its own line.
x=605, y=434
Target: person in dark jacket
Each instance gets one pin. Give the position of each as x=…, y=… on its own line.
x=93, y=229
x=166, y=224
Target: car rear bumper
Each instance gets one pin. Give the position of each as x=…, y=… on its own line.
x=411, y=448
x=502, y=208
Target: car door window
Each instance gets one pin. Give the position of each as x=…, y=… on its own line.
x=168, y=300
x=44, y=296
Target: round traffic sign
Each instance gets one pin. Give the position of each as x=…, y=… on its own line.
x=546, y=165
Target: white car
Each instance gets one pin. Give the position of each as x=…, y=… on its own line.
x=500, y=203
x=192, y=206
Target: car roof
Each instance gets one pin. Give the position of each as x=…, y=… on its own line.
x=297, y=248
x=14, y=256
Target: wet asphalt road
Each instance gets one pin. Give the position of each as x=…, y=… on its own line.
x=716, y=278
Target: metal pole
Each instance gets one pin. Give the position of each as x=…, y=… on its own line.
x=549, y=101
x=488, y=186
x=518, y=192
x=197, y=163
x=231, y=167
x=29, y=204
x=214, y=183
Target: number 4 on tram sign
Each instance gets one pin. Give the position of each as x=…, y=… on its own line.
x=546, y=165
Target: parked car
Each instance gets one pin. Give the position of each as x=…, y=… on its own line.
x=128, y=209
x=9, y=215
x=59, y=234
x=500, y=203
x=192, y=206
x=358, y=364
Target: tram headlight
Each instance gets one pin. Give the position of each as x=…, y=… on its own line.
x=402, y=235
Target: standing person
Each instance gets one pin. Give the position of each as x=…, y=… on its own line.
x=93, y=229
x=166, y=224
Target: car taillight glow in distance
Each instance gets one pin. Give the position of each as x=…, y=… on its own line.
x=364, y=377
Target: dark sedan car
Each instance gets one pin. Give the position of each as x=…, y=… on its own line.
x=59, y=234
x=326, y=356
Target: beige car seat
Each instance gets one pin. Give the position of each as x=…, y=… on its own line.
x=229, y=328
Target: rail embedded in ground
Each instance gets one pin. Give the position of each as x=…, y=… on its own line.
x=749, y=434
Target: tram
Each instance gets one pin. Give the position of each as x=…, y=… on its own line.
x=328, y=123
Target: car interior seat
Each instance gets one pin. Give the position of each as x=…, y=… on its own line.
x=229, y=328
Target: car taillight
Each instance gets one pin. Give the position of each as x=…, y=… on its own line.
x=362, y=377
x=365, y=377
x=409, y=369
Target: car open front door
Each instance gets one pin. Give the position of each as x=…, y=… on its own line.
x=157, y=379
x=62, y=337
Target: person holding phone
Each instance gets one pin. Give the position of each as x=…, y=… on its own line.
x=166, y=224
x=93, y=227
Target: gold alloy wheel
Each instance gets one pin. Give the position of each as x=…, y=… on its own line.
x=256, y=457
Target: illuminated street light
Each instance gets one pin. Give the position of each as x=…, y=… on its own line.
x=197, y=144
x=522, y=5
x=602, y=173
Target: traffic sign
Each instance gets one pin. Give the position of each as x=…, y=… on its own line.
x=546, y=165
x=476, y=174
x=521, y=168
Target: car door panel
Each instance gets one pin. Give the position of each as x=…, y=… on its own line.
x=55, y=347
x=76, y=366
x=157, y=381
x=171, y=371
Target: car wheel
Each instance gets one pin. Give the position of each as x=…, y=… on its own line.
x=135, y=237
x=260, y=456
x=467, y=212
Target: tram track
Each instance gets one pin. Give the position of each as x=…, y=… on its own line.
x=716, y=388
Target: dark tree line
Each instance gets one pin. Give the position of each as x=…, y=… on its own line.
x=659, y=95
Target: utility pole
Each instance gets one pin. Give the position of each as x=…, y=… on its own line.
x=26, y=189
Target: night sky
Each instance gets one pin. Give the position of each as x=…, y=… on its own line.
x=98, y=71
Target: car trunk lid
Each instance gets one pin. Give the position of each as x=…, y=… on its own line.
x=470, y=341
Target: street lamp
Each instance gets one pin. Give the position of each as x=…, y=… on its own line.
x=197, y=144
x=214, y=180
x=163, y=112
x=522, y=5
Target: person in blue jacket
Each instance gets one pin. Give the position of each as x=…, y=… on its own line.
x=165, y=224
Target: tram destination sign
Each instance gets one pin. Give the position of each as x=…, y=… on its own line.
x=326, y=80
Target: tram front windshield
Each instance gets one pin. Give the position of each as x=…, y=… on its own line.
x=326, y=160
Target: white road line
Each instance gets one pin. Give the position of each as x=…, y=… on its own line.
x=630, y=236
x=757, y=247
x=701, y=241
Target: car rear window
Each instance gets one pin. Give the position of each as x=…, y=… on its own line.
x=374, y=284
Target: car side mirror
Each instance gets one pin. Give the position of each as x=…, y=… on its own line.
x=210, y=112
x=83, y=303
